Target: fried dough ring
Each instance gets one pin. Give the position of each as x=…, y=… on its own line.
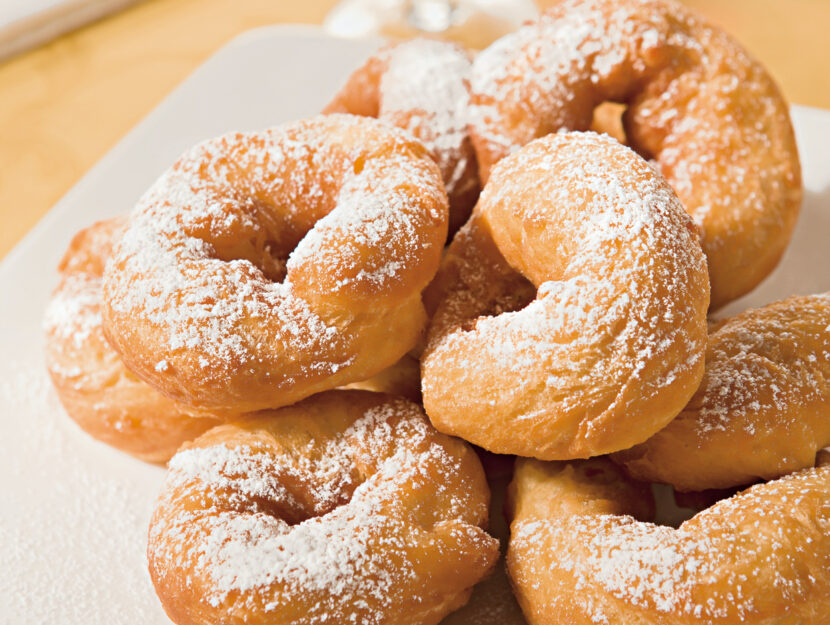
x=201, y=302
x=707, y=112
x=578, y=554
x=95, y=388
x=345, y=508
x=421, y=85
x=762, y=410
x=612, y=347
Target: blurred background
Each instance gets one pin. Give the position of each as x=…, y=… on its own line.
x=76, y=75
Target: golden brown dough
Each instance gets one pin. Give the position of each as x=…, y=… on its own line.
x=265, y=267
x=578, y=554
x=347, y=507
x=402, y=379
x=762, y=410
x=708, y=113
x=492, y=601
x=95, y=388
x=422, y=86
x=610, y=349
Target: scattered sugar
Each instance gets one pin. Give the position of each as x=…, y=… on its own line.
x=74, y=517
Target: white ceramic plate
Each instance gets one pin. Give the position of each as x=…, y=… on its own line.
x=73, y=512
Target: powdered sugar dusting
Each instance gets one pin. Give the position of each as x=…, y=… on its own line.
x=370, y=215
x=613, y=292
x=709, y=114
x=769, y=360
x=426, y=80
x=199, y=278
x=761, y=409
x=201, y=301
x=324, y=521
x=739, y=560
x=546, y=68
x=74, y=312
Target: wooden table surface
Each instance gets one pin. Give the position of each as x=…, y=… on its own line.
x=63, y=105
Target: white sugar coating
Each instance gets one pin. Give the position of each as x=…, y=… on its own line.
x=706, y=111
x=250, y=473
x=628, y=271
x=642, y=563
x=761, y=409
x=428, y=80
x=74, y=312
x=585, y=43
x=254, y=474
x=725, y=164
x=195, y=261
x=337, y=546
x=767, y=361
x=739, y=557
x=246, y=552
x=170, y=265
x=370, y=214
x=72, y=324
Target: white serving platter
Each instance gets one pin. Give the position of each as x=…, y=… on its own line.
x=73, y=512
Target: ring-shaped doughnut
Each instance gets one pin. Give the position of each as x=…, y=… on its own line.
x=612, y=347
x=580, y=555
x=709, y=115
x=347, y=507
x=264, y=267
x=422, y=86
x=762, y=409
x=95, y=388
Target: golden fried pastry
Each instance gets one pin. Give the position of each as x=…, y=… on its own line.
x=492, y=601
x=762, y=410
x=579, y=555
x=402, y=379
x=612, y=346
x=97, y=391
x=345, y=508
x=421, y=85
x=264, y=267
x=709, y=115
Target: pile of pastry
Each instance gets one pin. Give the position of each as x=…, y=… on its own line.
x=339, y=333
